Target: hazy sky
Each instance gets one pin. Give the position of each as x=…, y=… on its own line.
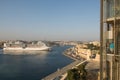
x=49, y=19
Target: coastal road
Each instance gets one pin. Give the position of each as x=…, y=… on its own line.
x=63, y=70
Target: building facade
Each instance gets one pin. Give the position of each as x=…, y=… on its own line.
x=110, y=40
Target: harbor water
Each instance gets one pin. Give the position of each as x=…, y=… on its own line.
x=32, y=65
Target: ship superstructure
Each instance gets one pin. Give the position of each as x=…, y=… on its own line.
x=24, y=45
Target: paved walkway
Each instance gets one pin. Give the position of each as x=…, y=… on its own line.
x=92, y=65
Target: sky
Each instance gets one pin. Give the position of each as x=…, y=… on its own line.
x=49, y=20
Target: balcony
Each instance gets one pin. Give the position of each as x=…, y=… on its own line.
x=110, y=57
x=111, y=20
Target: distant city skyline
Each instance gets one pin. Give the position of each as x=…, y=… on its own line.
x=49, y=20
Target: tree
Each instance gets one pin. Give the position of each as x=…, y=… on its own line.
x=93, y=47
x=77, y=74
x=82, y=71
x=73, y=74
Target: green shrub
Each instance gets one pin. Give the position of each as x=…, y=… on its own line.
x=77, y=74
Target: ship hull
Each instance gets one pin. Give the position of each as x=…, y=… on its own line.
x=27, y=49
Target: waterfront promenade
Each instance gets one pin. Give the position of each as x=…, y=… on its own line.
x=60, y=72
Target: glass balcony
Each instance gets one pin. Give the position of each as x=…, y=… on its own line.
x=110, y=57
x=111, y=9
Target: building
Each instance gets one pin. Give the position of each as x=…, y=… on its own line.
x=110, y=40
x=95, y=43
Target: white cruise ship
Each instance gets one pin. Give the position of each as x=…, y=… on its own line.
x=25, y=46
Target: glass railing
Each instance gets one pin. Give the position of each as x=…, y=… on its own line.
x=117, y=8
x=112, y=9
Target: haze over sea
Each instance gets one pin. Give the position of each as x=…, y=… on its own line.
x=31, y=65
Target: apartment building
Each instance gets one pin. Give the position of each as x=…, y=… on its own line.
x=110, y=40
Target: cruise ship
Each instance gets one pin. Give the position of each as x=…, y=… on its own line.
x=25, y=46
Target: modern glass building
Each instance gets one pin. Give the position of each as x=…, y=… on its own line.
x=110, y=40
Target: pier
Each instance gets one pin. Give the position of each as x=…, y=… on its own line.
x=59, y=72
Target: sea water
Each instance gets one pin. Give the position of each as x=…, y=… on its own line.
x=31, y=65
